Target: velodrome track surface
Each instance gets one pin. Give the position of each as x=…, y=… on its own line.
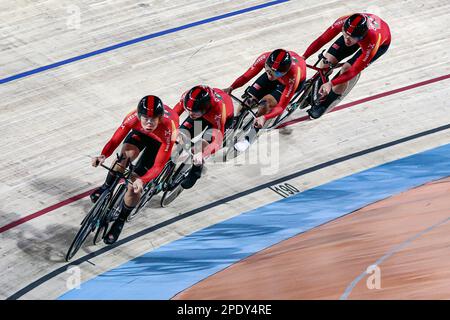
x=65, y=90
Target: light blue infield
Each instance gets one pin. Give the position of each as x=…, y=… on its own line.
x=174, y=267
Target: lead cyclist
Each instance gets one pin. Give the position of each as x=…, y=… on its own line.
x=367, y=35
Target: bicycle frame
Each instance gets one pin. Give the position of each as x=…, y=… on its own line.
x=245, y=109
x=323, y=72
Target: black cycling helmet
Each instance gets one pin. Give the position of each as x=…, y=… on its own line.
x=279, y=62
x=356, y=26
x=150, y=106
x=198, y=99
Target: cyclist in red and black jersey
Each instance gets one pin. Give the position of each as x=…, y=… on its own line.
x=284, y=73
x=367, y=35
x=151, y=129
x=209, y=108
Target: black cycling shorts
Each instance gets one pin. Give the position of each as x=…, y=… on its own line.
x=263, y=86
x=150, y=149
x=340, y=51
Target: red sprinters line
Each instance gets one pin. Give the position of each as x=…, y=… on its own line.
x=377, y=96
x=44, y=211
x=347, y=105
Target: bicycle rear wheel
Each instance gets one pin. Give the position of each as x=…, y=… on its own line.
x=174, y=188
x=170, y=195
x=89, y=224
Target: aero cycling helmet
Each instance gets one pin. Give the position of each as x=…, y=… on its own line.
x=279, y=62
x=150, y=106
x=356, y=26
x=198, y=99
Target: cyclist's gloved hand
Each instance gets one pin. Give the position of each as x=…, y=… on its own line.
x=325, y=89
x=197, y=159
x=259, y=122
x=138, y=185
x=228, y=90
x=96, y=161
x=250, y=101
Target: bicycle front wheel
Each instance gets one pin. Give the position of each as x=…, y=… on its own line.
x=110, y=213
x=170, y=195
x=89, y=224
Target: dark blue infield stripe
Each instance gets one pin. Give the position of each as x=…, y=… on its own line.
x=140, y=39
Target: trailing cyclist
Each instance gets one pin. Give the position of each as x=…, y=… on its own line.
x=363, y=33
x=208, y=108
x=284, y=73
x=152, y=128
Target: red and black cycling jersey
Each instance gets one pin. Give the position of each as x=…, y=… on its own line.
x=221, y=110
x=377, y=36
x=291, y=80
x=165, y=133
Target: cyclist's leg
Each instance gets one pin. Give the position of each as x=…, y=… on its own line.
x=131, y=197
x=184, y=140
x=267, y=92
x=265, y=105
x=261, y=87
x=338, y=51
x=130, y=151
x=194, y=128
x=261, y=90
x=341, y=89
x=268, y=102
x=144, y=164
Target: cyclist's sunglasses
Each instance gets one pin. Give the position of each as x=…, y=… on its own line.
x=273, y=73
x=196, y=114
x=350, y=36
